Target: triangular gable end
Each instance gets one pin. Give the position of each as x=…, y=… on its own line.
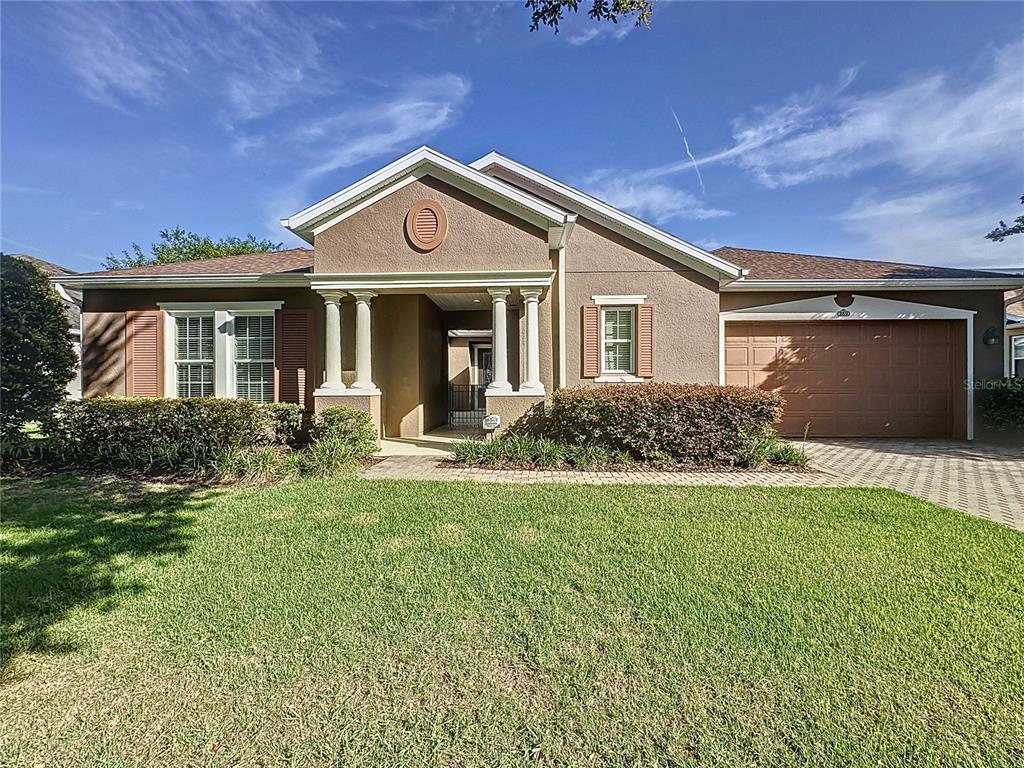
x=628, y=226
x=414, y=166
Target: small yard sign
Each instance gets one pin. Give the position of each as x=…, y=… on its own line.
x=492, y=421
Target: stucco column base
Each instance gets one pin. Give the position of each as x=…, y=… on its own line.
x=510, y=407
x=359, y=401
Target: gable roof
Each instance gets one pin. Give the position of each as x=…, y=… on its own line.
x=416, y=164
x=767, y=269
x=619, y=221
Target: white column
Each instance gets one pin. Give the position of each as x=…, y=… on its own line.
x=531, y=296
x=332, y=339
x=364, y=373
x=499, y=340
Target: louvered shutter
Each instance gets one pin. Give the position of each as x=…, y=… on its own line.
x=645, y=340
x=143, y=353
x=294, y=357
x=591, y=341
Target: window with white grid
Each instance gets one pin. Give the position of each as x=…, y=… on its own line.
x=193, y=355
x=254, y=357
x=617, y=339
x=1018, y=357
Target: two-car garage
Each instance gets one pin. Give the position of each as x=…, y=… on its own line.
x=861, y=378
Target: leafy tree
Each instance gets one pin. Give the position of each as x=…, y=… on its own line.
x=178, y=245
x=1005, y=230
x=549, y=13
x=37, y=359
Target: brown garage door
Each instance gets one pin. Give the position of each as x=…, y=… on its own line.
x=902, y=378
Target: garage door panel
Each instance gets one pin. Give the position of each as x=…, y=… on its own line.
x=856, y=378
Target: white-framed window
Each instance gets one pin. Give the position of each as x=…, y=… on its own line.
x=618, y=340
x=254, y=357
x=220, y=350
x=1017, y=356
x=194, y=356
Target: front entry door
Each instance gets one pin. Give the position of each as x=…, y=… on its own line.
x=484, y=364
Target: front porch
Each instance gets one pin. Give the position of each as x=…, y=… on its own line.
x=421, y=353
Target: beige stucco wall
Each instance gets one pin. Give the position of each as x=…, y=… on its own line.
x=103, y=359
x=598, y=261
x=480, y=237
x=510, y=408
x=988, y=360
x=459, y=362
x=367, y=403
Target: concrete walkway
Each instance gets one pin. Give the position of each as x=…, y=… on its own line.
x=983, y=481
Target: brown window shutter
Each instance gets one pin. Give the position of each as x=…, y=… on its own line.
x=591, y=341
x=645, y=340
x=143, y=353
x=294, y=380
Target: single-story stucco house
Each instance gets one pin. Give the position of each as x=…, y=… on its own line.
x=437, y=291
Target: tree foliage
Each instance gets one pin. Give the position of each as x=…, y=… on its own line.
x=549, y=13
x=37, y=359
x=1005, y=230
x=177, y=245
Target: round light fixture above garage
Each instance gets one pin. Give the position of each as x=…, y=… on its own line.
x=426, y=225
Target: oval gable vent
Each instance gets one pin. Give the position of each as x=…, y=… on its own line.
x=426, y=225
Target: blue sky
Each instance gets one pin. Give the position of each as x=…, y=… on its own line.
x=889, y=131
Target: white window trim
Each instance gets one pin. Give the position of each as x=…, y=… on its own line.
x=619, y=375
x=632, y=300
x=223, y=338
x=1011, y=336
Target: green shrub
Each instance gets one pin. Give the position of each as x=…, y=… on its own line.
x=285, y=421
x=328, y=457
x=346, y=425
x=693, y=424
x=548, y=453
x=771, y=450
x=1002, y=402
x=151, y=434
x=587, y=456
x=468, y=452
x=257, y=465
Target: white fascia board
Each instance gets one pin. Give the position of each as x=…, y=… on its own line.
x=964, y=283
x=621, y=222
x=212, y=306
x=619, y=300
x=861, y=308
x=427, y=161
x=269, y=280
x=524, y=278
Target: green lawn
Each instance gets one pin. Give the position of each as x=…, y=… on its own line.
x=392, y=623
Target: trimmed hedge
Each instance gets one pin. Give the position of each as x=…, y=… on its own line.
x=1002, y=402
x=347, y=428
x=142, y=432
x=286, y=422
x=694, y=424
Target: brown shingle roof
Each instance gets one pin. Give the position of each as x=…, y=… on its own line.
x=294, y=260
x=778, y=265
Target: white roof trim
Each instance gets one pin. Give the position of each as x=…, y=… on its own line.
x=515, y=278
x=962, y=283
x=426, y=161
x=622, y=222
x=255, y=279
x=862, y=308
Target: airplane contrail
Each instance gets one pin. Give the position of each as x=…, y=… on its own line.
x=687, y=146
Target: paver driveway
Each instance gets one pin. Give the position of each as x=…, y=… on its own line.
x=984, y=481
x=980, y=480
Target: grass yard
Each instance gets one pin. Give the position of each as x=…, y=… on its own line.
x=394, y=623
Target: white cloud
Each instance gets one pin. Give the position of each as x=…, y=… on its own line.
x=255, y=58
x=597, y=31
x=944, y=225
x=656, y=202
x=933, y=125
x=386, y=125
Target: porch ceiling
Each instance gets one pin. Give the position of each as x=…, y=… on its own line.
x=461, y=302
